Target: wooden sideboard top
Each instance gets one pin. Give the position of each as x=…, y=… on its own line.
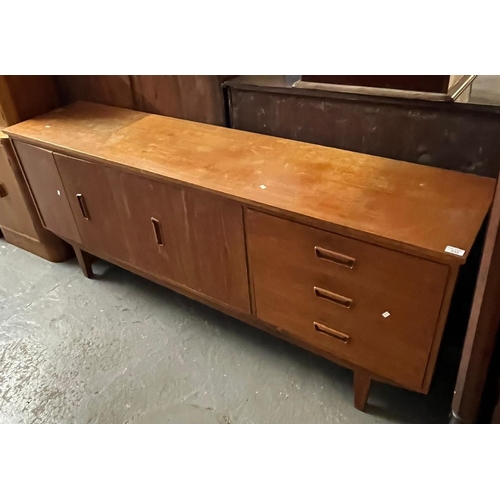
x=418, y=208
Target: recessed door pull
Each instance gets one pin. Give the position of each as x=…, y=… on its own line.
x=157, y=231
x=83, y=206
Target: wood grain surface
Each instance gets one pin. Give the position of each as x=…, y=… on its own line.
x=416, y=208
x=387, y=304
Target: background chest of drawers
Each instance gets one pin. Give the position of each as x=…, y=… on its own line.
x=341, y=253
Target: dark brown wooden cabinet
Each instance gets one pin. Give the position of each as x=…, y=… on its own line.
x=351, y=256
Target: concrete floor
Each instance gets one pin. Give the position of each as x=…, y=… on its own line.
x=120, y=349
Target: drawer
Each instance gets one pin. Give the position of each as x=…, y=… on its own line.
x=373, y=307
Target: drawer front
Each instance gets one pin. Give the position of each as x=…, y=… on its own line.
x=373, y=307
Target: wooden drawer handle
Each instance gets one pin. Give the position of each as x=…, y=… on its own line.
x=342, y=337
x=3, y=191
x=333, y=297
x=157, y=231
x=83, y=206
x=336, y=258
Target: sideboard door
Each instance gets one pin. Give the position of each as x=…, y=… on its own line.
x=151, y=217
x=90, y=195
x=215, y=238
x=47, y=190
x=186, y=235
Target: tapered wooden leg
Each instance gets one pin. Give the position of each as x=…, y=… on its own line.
x=362, y=383
x=85, y=261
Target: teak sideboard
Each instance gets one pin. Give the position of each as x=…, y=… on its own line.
x=351, y=256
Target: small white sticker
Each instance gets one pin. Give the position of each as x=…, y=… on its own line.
x=386, y=314
x=59, y=192
x=454, y=250
x=262, y=186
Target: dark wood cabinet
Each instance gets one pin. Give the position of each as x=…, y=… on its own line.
x=351, y=256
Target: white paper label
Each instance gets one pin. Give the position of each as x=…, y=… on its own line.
x=386, y=314
x=454, y=250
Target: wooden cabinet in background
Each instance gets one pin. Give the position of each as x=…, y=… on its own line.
x=26, y=96
x=23, y=97
x=350, y=256
x=19, y=220
x=189, y=97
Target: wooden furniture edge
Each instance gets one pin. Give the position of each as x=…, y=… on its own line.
x=441, y=257
x=440, y=326
x=483, y=325
x=86, y=259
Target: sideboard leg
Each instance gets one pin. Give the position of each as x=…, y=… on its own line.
x=85, y=261
x=362, y=383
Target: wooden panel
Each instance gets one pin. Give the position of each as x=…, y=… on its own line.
x=462, y=138
x=483, y=327
x=193, y=238
x=22, y=97
x=158, y=251
x=14, y=213
x=90, y=196
x=190, y=97
x=216, y=242
x=48, y=191
x=416, y=208
x=113, y=90
x=368, y=305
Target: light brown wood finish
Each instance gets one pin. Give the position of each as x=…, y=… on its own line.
x=362, y=279
x=48, y=191
x=387, y=304
x=19, y=220
x=415, y=208
x=90, y=195
x=202, y=238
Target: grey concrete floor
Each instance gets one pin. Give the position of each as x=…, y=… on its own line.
x=120, y=349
